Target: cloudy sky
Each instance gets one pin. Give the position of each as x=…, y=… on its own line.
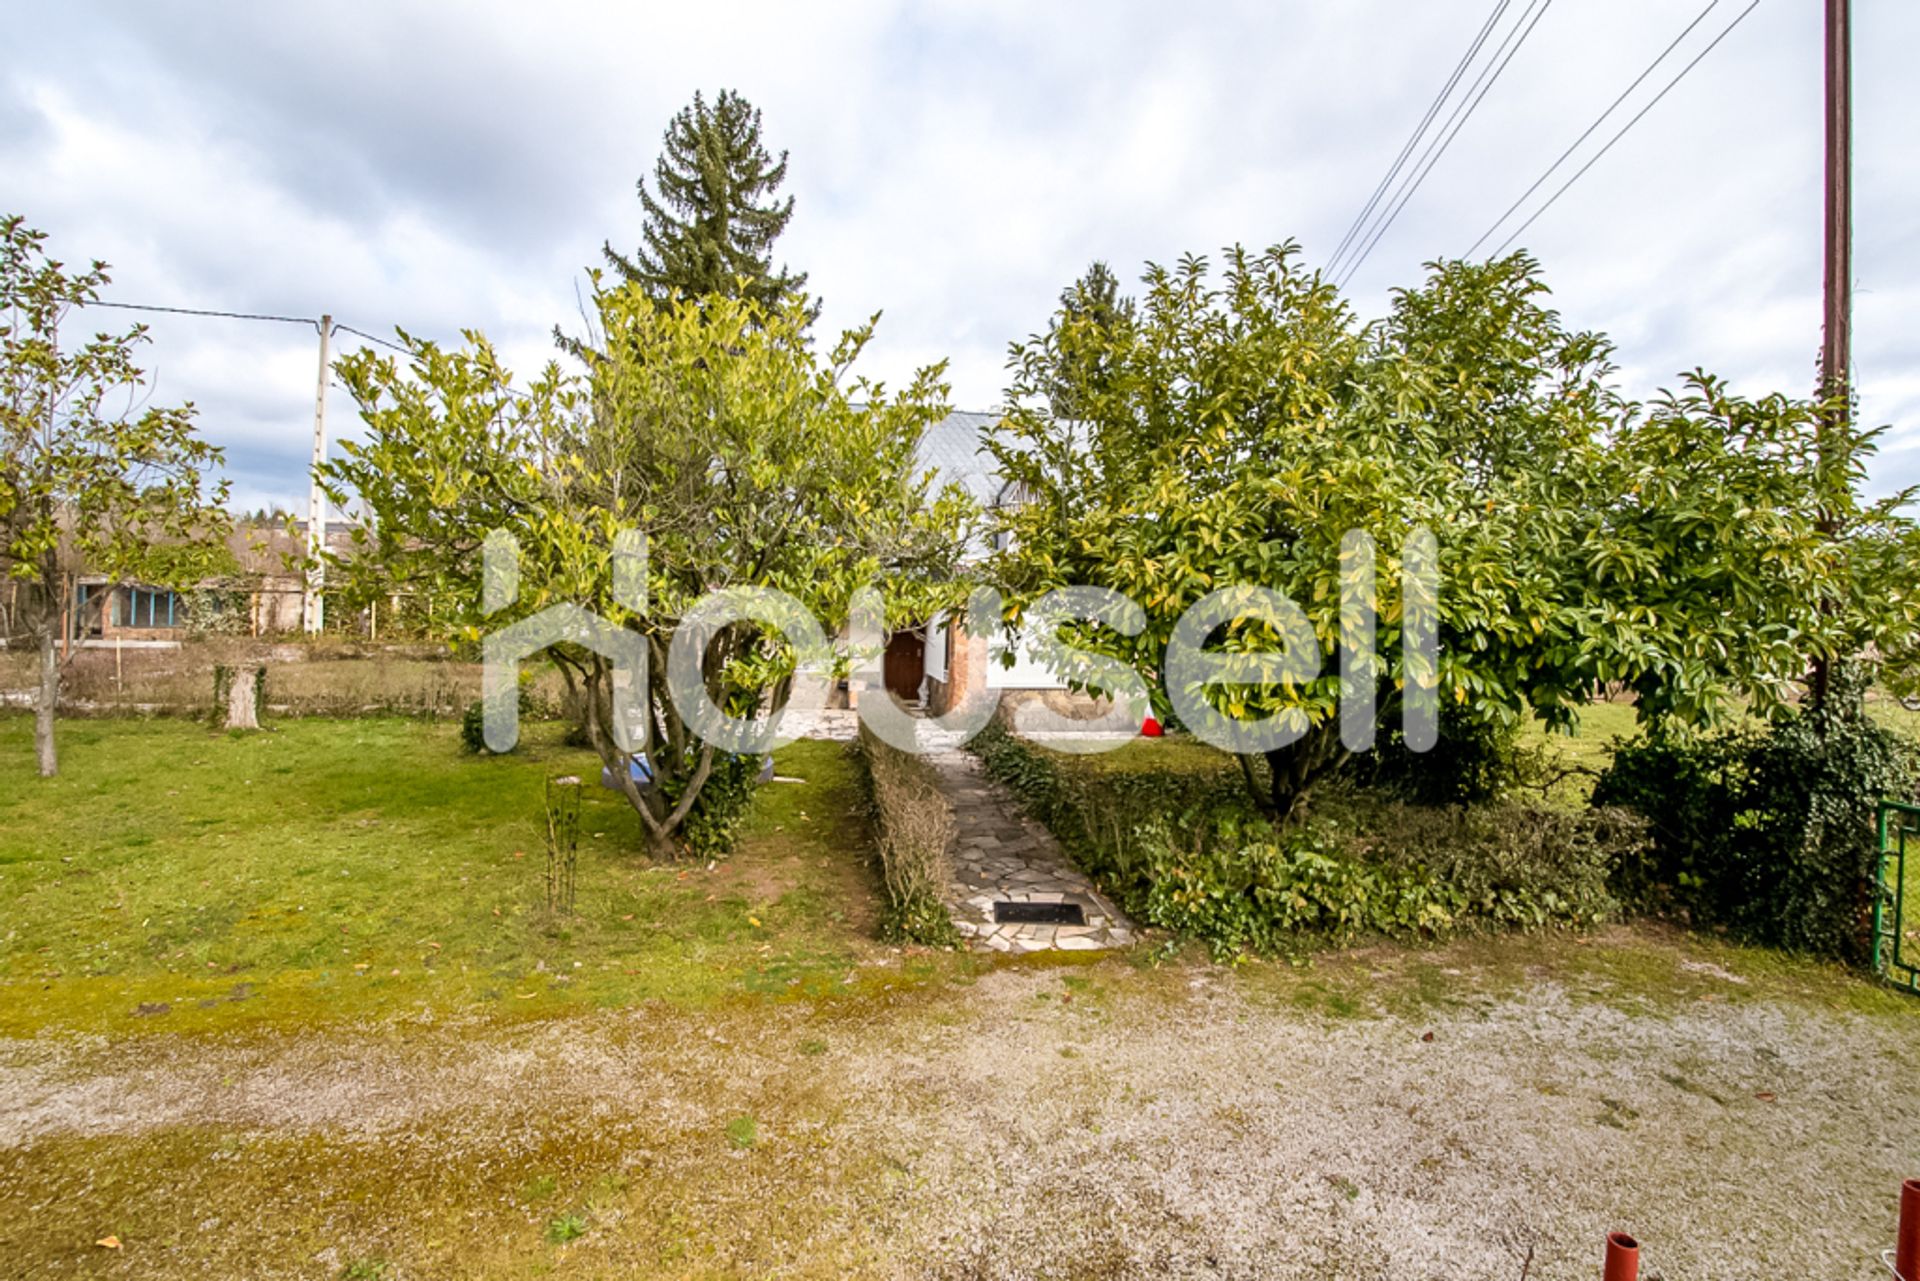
x=954, y=165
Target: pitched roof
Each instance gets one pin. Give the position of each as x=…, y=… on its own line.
x=955, y=448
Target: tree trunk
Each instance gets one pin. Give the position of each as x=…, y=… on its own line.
x=46, y=701
x=661, y=817
x=243, y=695
x=1295, y=768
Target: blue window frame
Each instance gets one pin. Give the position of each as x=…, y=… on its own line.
x=145, y=607
x=85, y=623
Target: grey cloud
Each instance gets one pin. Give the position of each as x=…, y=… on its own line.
x=954, y=165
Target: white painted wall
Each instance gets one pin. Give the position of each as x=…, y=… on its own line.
x=937, y=647
x=1027, y=671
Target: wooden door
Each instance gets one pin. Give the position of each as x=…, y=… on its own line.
x=905, y=665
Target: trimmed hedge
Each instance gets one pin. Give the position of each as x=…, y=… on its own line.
x=1184, y=849
x=915, y=826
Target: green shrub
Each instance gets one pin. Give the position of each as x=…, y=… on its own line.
x=1473, y=760
x=1265, y=895
x=1507, y=865
x=473, y=721
x=915, y=828
x=714, y=822
x=1392, y=870
x=1767, y=833
x=473, y=727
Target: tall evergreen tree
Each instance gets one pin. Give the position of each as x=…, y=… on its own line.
x=713, y=215
x=1081, y=339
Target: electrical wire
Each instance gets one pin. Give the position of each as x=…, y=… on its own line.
x=1624, y=128
x=1490, y=75
x=1419, y=132
x=247, y=315
x=358, y=333
x=199, y=311
x=1588, y=133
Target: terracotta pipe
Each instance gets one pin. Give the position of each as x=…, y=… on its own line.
x=1906, y=1249
x=1623, y=1258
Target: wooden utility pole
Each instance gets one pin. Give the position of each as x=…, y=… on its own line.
x=312, y=615
x=1836, y=350
x=1836, y=345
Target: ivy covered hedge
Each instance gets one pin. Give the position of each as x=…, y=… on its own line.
x=1182, y=849
x=1768, y=833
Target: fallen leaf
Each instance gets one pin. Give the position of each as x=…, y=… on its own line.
x=754, y=921
x=1765, y=1096
x=523, y=996
x=1426, y=1036
x=111, y=1243
x=627, y=917
x=519, y=853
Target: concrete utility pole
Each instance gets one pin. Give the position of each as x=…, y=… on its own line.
x=312, y=614
x=1836, y=345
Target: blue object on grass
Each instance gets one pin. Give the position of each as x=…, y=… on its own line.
x=637, y=769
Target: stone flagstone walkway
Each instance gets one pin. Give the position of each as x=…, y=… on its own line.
x=1001, y=856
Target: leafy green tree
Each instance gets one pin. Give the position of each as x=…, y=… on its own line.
x=1241, y=427
x=89, y=482
x=713, y=216
x=714, y=429
x=1733, y=553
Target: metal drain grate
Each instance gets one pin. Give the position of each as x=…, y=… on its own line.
x=1038, y=914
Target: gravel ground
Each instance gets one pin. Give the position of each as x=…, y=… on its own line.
x=1093, y=1121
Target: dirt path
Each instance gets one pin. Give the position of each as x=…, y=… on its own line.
x=1085, y=1121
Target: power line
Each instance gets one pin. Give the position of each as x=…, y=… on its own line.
x=1602, y=118
x=1483, y=83
x=357, y=333
x=246, y=315
x=1490, y=75
x=1624, y=128
x=1420, y=130
x=199, y=311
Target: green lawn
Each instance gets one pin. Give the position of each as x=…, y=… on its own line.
x=177, y=878
x=174, y=878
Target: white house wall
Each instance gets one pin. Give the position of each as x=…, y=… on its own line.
x=1027, y=672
